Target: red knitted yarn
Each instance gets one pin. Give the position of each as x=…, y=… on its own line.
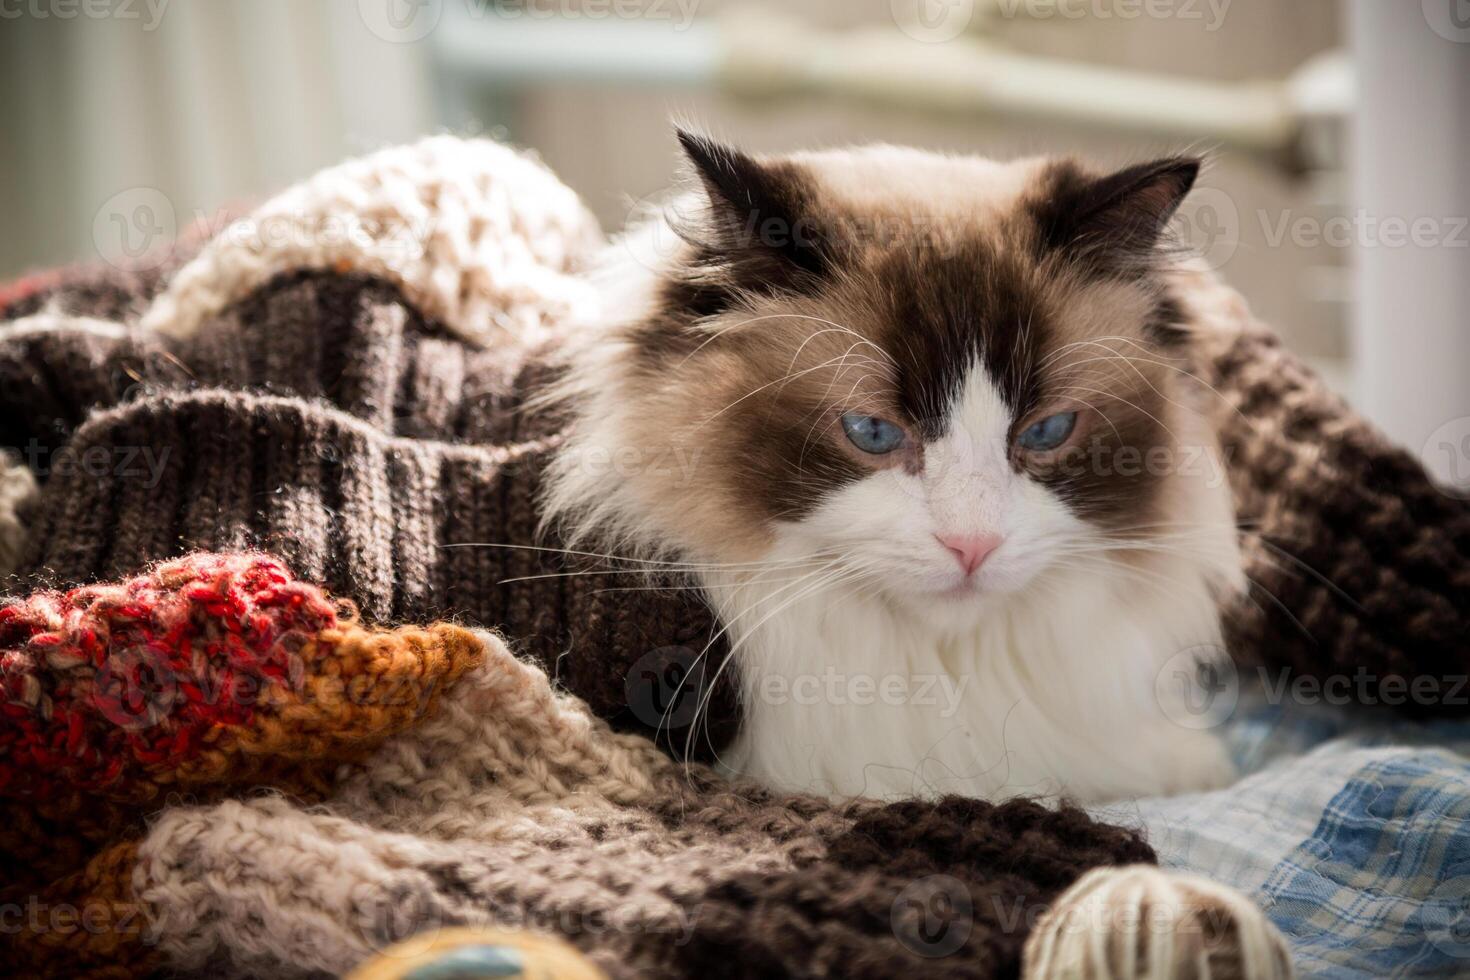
x=103, y=678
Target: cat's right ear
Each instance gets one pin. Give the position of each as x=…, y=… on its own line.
x=757, y=208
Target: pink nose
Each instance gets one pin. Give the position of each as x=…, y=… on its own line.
x=970, y=550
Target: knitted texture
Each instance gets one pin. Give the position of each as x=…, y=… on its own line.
x=477, y=235
x=73, y=661
x=172, y=677
x=511, y=805
x=324, y=404
x=1359, y=564
x=207, y=672
x=18, y=492
x=393, y=464
x=326, y=421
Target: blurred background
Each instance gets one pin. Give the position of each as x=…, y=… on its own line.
x=1339, y=130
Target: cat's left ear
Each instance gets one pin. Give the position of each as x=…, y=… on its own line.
x=1123, y=214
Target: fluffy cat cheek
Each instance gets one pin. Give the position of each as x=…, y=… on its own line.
x=886, y=526
x=873, y=520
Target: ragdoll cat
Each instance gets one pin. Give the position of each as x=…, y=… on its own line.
x=948, y=481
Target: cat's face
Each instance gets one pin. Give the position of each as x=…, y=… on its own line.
x=945, y=374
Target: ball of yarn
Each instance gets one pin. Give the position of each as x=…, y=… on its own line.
x=1140, y=922
x=478, y=954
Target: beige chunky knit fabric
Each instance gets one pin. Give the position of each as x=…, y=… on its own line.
x=514, y=807
x=476, y=234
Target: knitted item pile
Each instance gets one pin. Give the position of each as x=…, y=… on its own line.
x=502, y=802
x=328, y=419
x=286, y=427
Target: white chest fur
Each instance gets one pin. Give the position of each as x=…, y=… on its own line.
x=1054, y=692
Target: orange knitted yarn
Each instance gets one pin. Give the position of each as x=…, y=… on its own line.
x=88, y=925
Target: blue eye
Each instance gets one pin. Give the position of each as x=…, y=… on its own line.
x=872, y=435
x=1049, y=433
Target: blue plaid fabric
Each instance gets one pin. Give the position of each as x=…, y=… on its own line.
x=1351, y=831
